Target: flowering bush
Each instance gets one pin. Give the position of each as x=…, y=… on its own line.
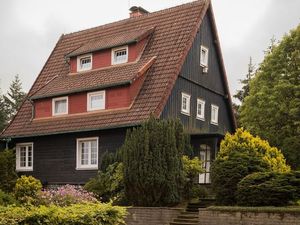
x=66, y=195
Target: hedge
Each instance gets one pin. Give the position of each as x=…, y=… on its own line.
x=77, y=214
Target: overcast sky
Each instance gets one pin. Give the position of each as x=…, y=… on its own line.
x=29, y=30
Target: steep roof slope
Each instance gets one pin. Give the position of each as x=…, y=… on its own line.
x=175, y=29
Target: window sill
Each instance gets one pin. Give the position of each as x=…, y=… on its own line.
x=200, y=118
x=87, y=168
x=185, y=113
x=214, y=123
x=24, y=169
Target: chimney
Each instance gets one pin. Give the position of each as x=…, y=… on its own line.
x=136, y=11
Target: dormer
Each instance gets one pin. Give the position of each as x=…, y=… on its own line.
x=109, y=51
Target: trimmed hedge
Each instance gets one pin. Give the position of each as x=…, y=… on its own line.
x=78, y=214
x=8, y=175
x=269, y=189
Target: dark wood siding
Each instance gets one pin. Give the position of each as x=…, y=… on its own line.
x=207, y=86
x=54, y=157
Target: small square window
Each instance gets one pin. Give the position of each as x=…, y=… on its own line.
x=87, y=153
x=84, y=62
x=200, y=109
x=204, y=57
x=185, y=103
x=214, y=114
x=24, y=157
x=96, y=100
x=120, y=55
x=59, y=106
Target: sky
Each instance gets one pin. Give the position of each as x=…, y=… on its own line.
x=30, y=29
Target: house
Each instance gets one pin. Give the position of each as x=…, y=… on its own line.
x=99, y=82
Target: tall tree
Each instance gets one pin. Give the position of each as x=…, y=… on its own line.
x=3, y=118
x=14, y=97
x=272, y=109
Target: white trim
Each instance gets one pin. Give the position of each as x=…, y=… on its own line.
x=26, y=168
x=79, y=69
x=89, y=95
x=113, y=62
x=202, y=115
x=204, y=61
x=59, y=99
x=188, y=103
x=78, y=154
x=214, y=121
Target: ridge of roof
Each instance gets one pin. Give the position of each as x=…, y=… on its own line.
x=103, y=26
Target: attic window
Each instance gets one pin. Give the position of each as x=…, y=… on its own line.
x=119, y=55
x=84, y=62
x=59, y=106
x=96, y=100
x=204, y=57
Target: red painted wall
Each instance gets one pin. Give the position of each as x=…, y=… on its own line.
x=117, y=98
x=102, y=58
x=77, y=103
x=43, y=108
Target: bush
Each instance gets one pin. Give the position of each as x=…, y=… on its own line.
x=27, y=189
x=83, y=214
x=269, y=189
x=153, y=173
x=65, y=195
x=8, y=174
x=240, y=155
x=6, y=199
x=108, y=185
x=191, y=169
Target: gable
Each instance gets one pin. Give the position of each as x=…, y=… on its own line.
x=210, y=87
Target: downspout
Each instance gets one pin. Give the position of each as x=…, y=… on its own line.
x=7, y=141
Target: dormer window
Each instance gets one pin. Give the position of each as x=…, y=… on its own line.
x=84, y=62
x=59, y=106
x=119, y=55
x=204, y=58
x=96, y=100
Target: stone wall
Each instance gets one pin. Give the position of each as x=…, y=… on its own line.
x=151, y=215
x=208, y=217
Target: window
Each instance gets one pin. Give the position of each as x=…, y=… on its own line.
x=24, y=157
x=119, y=55
x=59, y=106
x=200, y=109
x=96, y=100
x=204, y=57
x=87, y=153
x=205, y=156
x=185, y=103
x=84, y=62
x=214, y=114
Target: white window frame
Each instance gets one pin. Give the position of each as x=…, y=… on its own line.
x=188, y=103
x=18, y=157
x=89, y=95
x=59, y=99
x=78, y=154
x=204, y=61
x=215, y=120
x=200, y=116
x=113, y=62
x=79, y=58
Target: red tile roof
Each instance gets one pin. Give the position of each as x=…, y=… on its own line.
x=175, y=29
x=115, y=40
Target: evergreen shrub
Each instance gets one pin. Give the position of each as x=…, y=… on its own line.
x=6, y=199
x=269, y=189
x=8, y=175
x=240, y=155
x=27, y=189
x=152, y=157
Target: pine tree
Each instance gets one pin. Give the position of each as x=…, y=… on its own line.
x=3, y=117
x=14, y=98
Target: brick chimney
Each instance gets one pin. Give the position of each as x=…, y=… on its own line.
x=136, y=11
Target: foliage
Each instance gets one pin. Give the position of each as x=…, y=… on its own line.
x=153, y=173
x=65, y=195
x=240, y=155
x=6, y=199
x=3, y=116
x=78, y=214
x=272, y=109
x=8, y=175
x=27, y=189
x=269, y=189
x=108, y=185
x=191, y=168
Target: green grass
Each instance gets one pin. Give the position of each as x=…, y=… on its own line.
x=268, y=209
